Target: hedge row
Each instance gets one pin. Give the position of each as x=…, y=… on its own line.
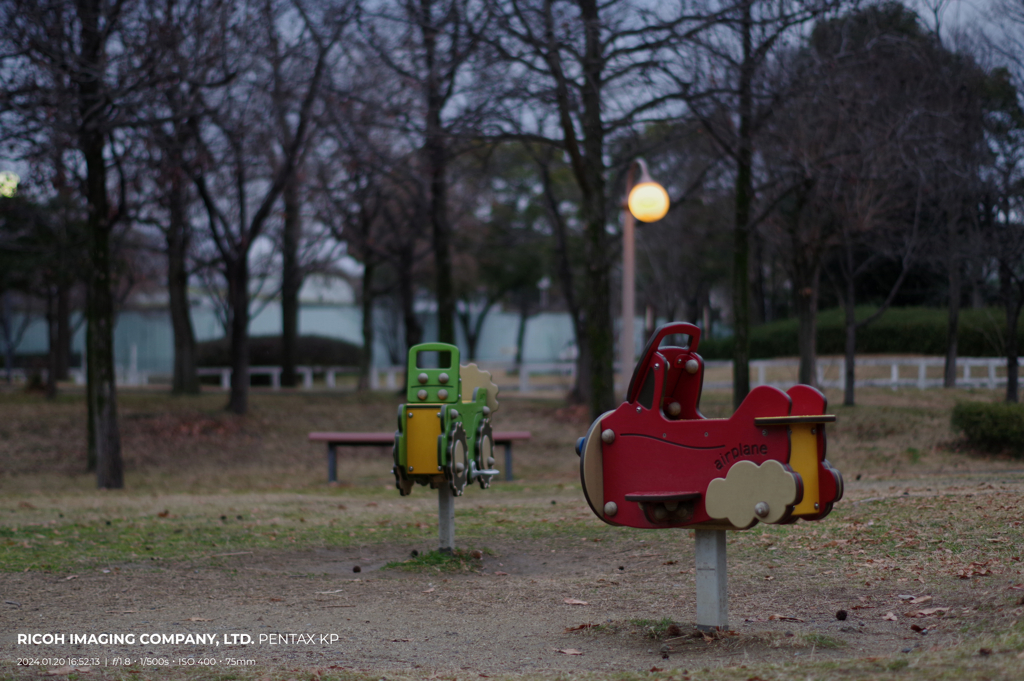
x=906, y=330
x=994, y=426
x=266, y=351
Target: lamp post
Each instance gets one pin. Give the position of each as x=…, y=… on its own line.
x=646, y=201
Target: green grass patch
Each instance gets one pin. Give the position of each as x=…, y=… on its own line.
x=459, y=560
x=656, y=629
x=824, y=641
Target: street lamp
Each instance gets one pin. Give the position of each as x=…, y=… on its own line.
x=646, y=201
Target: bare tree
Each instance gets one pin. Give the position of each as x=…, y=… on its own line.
x=233, y=141
x=728, y=91
x=596, y=69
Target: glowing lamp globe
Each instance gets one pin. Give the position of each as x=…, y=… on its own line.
x=648, y=202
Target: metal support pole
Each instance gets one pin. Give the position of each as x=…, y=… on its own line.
x=332, y=462
x=712, y=591
x=508, y=461
x=445, y=518
x=626, y=344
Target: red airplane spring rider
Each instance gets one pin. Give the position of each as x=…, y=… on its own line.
x=656, y=462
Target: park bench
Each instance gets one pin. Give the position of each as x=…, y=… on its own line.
x=335, y=440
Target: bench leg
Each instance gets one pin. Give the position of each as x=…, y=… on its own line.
x=332, y=463
x=508, y=461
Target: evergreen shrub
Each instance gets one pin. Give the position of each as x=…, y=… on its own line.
x=993, y=426
x=266, y=351
x=906, y=330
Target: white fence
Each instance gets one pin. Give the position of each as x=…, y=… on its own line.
x=887, y=372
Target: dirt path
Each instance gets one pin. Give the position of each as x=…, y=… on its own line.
x=479, y=622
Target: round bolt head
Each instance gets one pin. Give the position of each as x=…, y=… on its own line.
x=459, y=467
x=638, y=410
x=816, y=506
x=692, y=366
x=486, y=411
x=490, y=462
x=761, y=509
x=674, y=409
x=611, y=508
x=608, y=436
x=422, y=394
x=442, y=394
x=443, y=378
x=455, y=414
x=410, y=469
x=660, y=513
x=423, y=378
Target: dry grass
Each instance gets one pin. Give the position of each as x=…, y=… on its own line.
x=922, y=517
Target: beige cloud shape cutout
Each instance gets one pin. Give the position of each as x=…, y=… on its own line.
x=736, y=496
x=474, y=377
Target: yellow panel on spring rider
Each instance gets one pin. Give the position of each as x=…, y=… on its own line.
x=423, y=427
x=803, y=459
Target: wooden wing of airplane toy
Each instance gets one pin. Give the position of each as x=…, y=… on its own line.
x=444, y=432
x=656, y=462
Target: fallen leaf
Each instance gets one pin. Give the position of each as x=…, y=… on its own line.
x=573, y=601
x=164, y=513
x=70, y=577
x=784, y=618
x=919, y=600
x=917, y=627
x=927, y=612
x=578, y=628
x=501, y=574
x=199, y=619
x=656, y=669
x=330, y=592
x=889, y=617
x=430, y=590
x=569, y=651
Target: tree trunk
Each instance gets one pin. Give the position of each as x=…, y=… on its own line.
x=758, y=294
x=63, y=331
x=806, y=303
x=1012, y=306
x=1012, y=352
x=105, y=436
x=436, y=155
x=53, y=344
x=851, y=342
x=366, y=358
x=186, y=379
x=524, y=315
x=291, y=281
x=238, y=294
x=597, y=318
x=953, y=265
x=744, y=196
x=413, y=330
